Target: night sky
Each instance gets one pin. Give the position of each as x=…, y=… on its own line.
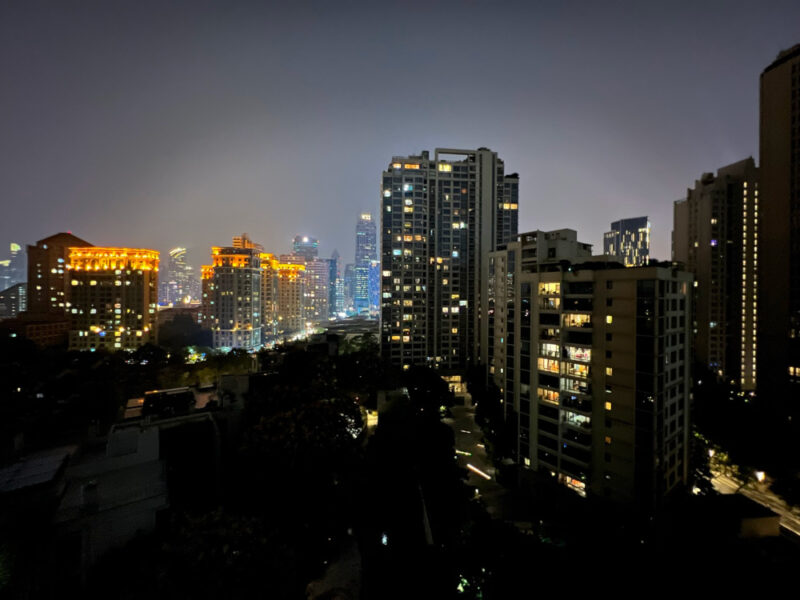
x=156, y=124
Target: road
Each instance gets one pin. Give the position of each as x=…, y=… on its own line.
x=470, y=451
x=790, y=515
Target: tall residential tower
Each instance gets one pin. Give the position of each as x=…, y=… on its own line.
x=715, y=238
x=440, y=217
x=779, y=230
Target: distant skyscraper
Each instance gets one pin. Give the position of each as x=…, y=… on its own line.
x=630, y=240
x=366, y=253
x=178, y=282
x=47, y=273
x=235, y=302
x=336, y=294
x=714, y=237
x=13, y=301
x=779, y=231
x=349, y=286
x=433, y=289
x=305, y=246
x=374, y=288
x=13, y=268
x=112, y=299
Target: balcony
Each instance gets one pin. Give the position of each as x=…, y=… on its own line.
x=583, y=405
x=576, y=437
x=575, y=386
x=579, y=422
x=575, y=370
x=550, y=334
x=549, y=303
x=576, y=321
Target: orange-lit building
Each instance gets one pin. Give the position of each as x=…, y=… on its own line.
x=112, y=297
x=269, y=294
x=291, y=298
x=232, y=296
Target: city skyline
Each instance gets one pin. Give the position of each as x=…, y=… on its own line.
x=587, y=136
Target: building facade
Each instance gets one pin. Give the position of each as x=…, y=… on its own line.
x=179, y=284
x=440, y=217
x=307, y=247
x=48, y=279
x=291, y=314
x=234, y=297
x=13, y=301
x=13, y=268
x=715, y=238
x=113, y=296
x=366, y=257
x=629, y=239
x=593, y=361
x=317, y=290
x=779, y=231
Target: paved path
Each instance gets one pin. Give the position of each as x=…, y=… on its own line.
x=470, y=451
x=727, y=484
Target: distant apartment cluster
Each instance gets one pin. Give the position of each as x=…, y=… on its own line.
x=88, y=297
x=251, y=297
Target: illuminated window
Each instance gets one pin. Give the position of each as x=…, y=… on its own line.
x=608, y=439
x=609, y=319
x=445, y=168
x=608, y=405
x=609, y=371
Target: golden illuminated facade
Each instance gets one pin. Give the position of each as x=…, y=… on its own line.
x=112, y=298
x=232, y=300
x=269, y=294
x=290, y=294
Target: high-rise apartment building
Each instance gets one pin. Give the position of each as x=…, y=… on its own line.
x=366, y=256
x=112, y=299
x=291, y=298
x=715, y=238
x=440, y=217
x=48, y=280
x=233, y=288
x=779, y=230
x=629, y=239
x=269, y=295
x=317, y=289
x=593, y=360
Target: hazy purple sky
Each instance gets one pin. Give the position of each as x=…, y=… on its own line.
x=163, y=123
